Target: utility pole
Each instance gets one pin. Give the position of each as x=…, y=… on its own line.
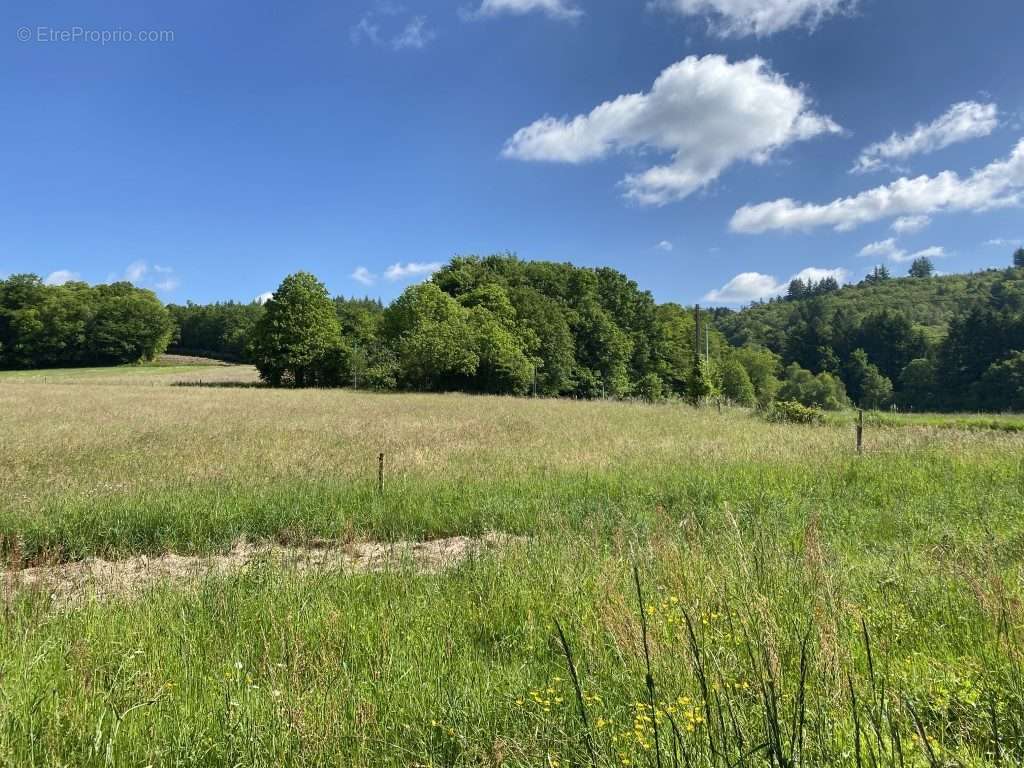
x=355, y=366
x=696, y=323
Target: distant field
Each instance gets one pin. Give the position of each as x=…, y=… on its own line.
x=965, y=421
x=168, y=370
x=771, y=558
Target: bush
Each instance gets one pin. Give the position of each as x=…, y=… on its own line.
x=823, y=391
x=792, y=412
x=736, y=384
x=651, y=388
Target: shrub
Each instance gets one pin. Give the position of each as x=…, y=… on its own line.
x=823, y=391
x=651, y=388
x=736, y=384
x=792, y=412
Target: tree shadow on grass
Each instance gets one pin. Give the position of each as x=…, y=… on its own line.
x=223, y=384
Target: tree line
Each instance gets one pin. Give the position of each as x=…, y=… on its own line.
x=46, y=326
x=500, y=325
x=494, y=325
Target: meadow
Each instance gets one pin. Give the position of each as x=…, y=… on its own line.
x=731, y=592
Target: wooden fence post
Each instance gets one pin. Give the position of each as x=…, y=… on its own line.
x=860, y=432
x=380, y=473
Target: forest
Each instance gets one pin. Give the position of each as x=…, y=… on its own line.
x=75, y=324
x=502, y=325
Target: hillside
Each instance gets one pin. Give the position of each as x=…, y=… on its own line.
x=929, y=303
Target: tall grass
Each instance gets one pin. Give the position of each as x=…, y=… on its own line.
x=693, y=589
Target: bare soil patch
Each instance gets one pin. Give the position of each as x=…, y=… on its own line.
x=68, y=583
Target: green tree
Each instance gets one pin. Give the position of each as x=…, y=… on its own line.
x=878, y=275
x=129, y=324
x=866, y=385
x=822, y=391
x=297, y=341
x=890, y=341
x=554, y=353
x=736, y=384
x=797, y=290
x=918, y=387
x=1018, y=258
x=921, y=267
x=672, y=347
x=763, y=367
x=503, y=367
x=1001, y=387
x=651, y=388
x=433, y=341
x=603, y=352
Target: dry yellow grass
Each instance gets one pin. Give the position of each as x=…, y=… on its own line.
x=78, y=436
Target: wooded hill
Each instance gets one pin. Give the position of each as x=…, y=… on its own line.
x=952, y=342
x=930, y=303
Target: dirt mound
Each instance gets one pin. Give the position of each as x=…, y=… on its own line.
x=96, y=577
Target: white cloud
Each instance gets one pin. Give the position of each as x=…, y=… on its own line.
x=415, y=35
x=999, y=184
x=144, y=275
x=706, y=112
x=556, y=9
x=167, y=281
x=364, y=276
x=263, y=298
x=963, y=121
x=888, y=249
x=61, y=276
x=908, y=225
x=365, y=29
x=755, y=286
x=1005, y=241
x=664, y=245
x=736, y=18
x=136, y=271
x=412, y=269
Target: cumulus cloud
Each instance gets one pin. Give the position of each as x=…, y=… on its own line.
x=364, y=276
x=556, y=9
x=999, y=184
x=738, y=18
x=962, y=122
x=707, y=113
x=61, y=276
x=664, y=245
x=263, y=298
x=1005, y=241
x=412, y=269
x=888, y=249
x=908, y=225
x=756, y=286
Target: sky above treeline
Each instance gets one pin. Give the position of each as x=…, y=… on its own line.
x=710, y=149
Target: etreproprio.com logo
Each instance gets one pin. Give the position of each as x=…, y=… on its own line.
x=77, y=34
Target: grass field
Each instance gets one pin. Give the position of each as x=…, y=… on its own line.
x=801, y=605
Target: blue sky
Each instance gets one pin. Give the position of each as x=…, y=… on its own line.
x=710, y=149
